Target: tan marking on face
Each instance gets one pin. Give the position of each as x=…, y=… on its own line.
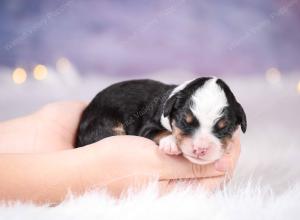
x=119, y=129
x=189, y=118
x=177, y=133
x=160, y=135
x=222, y=123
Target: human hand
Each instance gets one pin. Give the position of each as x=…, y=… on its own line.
x=115, y=163
x=144, y=162
x=51, y=128
x=60, y=121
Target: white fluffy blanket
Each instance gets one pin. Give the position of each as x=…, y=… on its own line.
x=266, y=184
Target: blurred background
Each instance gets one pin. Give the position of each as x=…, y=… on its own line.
x=125, y=37
x=54, y=50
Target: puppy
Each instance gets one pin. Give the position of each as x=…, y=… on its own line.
x=194, y=119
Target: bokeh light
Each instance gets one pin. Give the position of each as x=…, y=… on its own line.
x=298, y=87
x=19, y=76
x=273, y=76
x=63, y=65
x=40, y=72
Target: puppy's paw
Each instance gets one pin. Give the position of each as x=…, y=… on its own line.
x=168, y=145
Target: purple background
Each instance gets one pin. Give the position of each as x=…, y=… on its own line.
x=140, y=36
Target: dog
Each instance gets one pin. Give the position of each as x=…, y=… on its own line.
x=196, y=118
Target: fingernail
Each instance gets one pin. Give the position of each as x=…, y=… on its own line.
x=221, y=166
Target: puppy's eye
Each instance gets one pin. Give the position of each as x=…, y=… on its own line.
x=222, y=123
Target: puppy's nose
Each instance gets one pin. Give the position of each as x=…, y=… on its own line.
x=200, y=151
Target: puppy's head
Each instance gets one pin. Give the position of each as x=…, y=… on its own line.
x=203, y=114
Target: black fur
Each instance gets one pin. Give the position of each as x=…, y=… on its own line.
x=137, y=104
x=235, y=110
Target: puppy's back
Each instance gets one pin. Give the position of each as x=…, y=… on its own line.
x=115, y=105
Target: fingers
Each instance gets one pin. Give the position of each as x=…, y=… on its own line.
x=228, y=162
x=177, y=167
x=66, y=112
x=143, y=159
x=58, y=122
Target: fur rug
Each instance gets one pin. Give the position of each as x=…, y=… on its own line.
x=266, y=184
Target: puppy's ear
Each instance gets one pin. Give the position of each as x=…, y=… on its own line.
x=173, y=103
x=169, y=105
x=241, y=116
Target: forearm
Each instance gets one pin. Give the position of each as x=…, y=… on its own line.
x=49, y=177
x=39, y=177
x=114, y=164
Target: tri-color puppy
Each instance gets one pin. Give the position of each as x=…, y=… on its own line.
x=195, y=118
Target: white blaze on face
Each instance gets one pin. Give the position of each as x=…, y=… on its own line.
x=207, y=105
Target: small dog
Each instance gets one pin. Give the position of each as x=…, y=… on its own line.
x=196, y=118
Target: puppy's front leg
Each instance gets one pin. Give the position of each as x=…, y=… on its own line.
x=168, y=145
